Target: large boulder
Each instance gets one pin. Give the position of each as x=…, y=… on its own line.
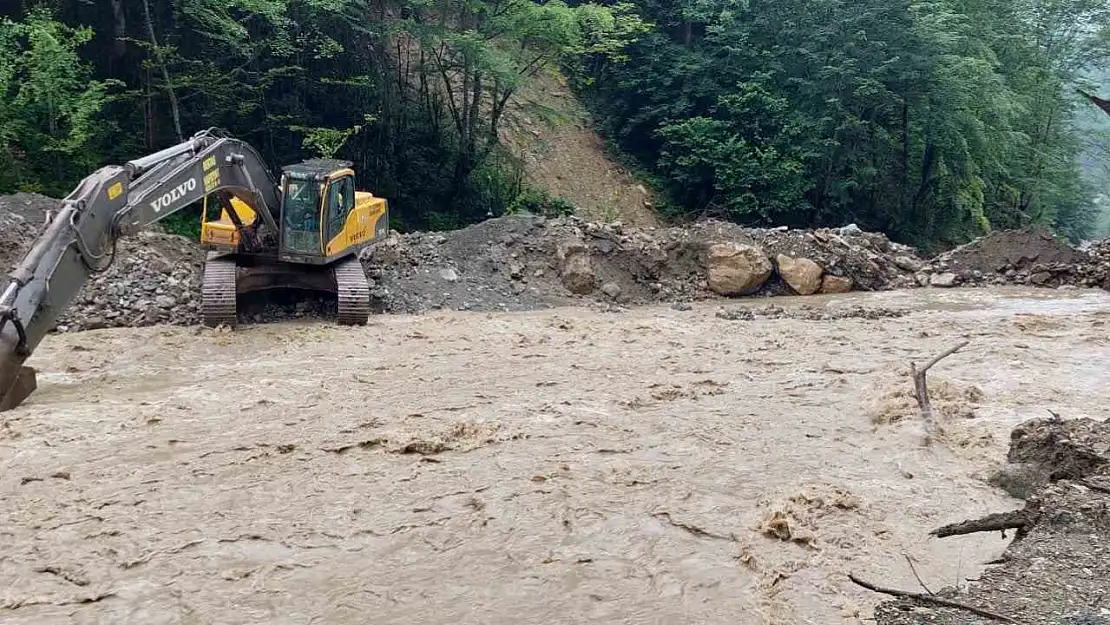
x=908, y=263
x=835, y=284
x=943, y=280
x=737, y=269
x=576, y=269
x=802, y=274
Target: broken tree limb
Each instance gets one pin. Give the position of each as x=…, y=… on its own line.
x=921, y=388
x=913, y=568
x=948, y=603
x=999, y=522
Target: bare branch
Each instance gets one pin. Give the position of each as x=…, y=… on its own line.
x=948, y=603
x=921, y=388
x=914, y=570
x=946, y=354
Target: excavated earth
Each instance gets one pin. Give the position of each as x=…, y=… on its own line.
x=1056, y=568
x=531, y=263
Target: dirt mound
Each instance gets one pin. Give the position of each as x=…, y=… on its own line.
x=528, y=262
x=523, y=262
x=154, y=279
x=1031, y=257
x=22, y=217
x=1000, y=252
x=1055, y=569
x=1045, y=451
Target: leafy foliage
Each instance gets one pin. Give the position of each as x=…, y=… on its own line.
x=933, y=120
x=50, y=123
x=413, y=92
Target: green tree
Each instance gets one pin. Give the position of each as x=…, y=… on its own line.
x=933, y=120
x=50, y=122
x=299, y=78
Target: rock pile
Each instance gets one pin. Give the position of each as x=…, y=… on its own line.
x=155, y=279
x=528, y=262
x=21, y=217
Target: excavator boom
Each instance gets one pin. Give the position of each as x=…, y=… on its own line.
x=115, y=201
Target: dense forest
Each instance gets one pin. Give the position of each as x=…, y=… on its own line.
x=931, y=120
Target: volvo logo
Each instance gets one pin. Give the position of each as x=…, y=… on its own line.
x=174, y=195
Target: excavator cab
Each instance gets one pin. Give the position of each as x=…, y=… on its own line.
x=322, y=216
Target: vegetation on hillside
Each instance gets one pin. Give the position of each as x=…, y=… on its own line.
x=412, y=92
x=932, y=120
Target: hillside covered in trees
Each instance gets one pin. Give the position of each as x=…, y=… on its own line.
x=931, y=120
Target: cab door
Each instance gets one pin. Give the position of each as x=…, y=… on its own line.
x=340, y=201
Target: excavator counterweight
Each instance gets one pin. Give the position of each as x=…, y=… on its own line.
x=305, y=232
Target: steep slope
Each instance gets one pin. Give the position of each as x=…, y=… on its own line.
x=550, y=130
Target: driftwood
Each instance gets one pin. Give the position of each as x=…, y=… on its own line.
x=921, y=388
x=948, y=603
x=998, y=522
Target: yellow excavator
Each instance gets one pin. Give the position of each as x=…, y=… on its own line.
x=304, y=231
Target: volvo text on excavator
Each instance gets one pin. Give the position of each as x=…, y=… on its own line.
x=304, y=232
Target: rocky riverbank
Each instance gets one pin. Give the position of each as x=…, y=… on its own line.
x=1056, y=568
x=528, y=262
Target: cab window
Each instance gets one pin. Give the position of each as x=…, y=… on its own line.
x=341, y=199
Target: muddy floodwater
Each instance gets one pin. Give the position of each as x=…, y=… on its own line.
x=566, y=466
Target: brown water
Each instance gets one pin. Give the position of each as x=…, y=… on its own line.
x=568, y=466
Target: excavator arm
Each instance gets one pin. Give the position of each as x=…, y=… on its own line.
x=115, y=201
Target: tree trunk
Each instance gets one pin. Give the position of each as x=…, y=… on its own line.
x=165, y=72
x=119, y=29
x=148, y=110
x=905, y=165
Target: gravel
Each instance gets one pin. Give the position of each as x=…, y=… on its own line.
x=517, y=263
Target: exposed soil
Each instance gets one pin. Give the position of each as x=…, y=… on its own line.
x=512, y=263
x=509, y=263
x=22, y=216
x=1033, y=257
x=656, y=465
x=1017, y=249
x=553, y=134
x=519, y=263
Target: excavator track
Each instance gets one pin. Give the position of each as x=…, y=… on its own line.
x=353, y=292
x=218, y=292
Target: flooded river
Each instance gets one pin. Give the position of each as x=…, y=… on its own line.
x=564, y=466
